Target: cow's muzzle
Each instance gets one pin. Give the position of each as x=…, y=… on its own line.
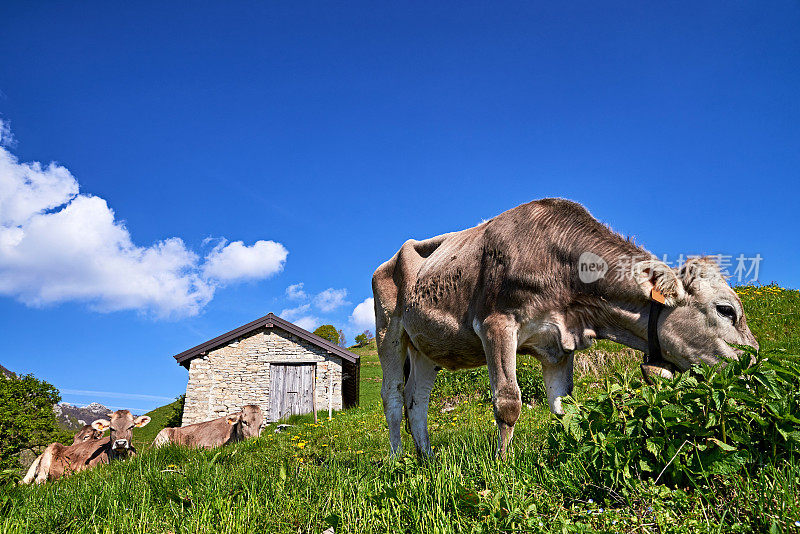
x=121, y=444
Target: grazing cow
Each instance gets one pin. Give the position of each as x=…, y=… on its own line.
x=84, y=434
x=217, y=432
x=547, y=279
x=58, y=460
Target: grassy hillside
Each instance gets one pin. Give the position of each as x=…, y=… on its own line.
x=143, y=437
x=338, y=473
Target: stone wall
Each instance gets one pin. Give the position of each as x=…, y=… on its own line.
x=237, y=373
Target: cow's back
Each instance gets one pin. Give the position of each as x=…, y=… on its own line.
x=504, y=265
x=208, y=434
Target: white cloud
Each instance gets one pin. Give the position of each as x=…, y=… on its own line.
x=237, y=262
x=330, y=299
x=295, y=292
x=364, y=315
x=292, y=313
x=308, y=323
x=57, y=245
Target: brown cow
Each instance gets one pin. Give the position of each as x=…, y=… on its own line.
x=84, y=434
x=217, y=432
x=58, y=460
x=547, y=279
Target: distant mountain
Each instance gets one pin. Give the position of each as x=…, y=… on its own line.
x=6, y=372
x=74, y=417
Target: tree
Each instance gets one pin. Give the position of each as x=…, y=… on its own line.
x=27, y=420
x=364, y=338
x=328, y=331
x=342, y=341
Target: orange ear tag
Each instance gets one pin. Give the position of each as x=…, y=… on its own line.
x=657, y=296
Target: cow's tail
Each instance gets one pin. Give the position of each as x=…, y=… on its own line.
x=162, y=438
x=31, y=474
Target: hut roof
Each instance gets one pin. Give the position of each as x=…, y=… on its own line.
x=270, y=320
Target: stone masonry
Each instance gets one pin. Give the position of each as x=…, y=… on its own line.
x=238, y=373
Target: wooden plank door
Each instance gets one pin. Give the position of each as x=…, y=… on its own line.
x=291, y=390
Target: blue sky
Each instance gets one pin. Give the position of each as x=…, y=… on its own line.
x=210, y=155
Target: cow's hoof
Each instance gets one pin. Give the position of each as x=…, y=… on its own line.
x=661, y=368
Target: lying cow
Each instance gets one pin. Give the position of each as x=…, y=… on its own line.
x=217, y=432
x=84, y=434
x=58, y=460
x=547, y=279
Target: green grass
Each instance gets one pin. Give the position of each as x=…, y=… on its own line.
x=338, y=473
x=143, y=437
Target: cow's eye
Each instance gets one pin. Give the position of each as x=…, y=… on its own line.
x=727, y=311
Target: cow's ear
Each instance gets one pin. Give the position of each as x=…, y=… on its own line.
x=141, y=421
x=659, y=282
x=233, y=419
x=101, y=424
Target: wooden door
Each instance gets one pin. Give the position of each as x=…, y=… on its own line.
x=291, y=389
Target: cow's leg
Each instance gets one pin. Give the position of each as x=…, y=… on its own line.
x=417, y=395
x=557, y=381
x=391, y=352
x=499, y=337
x=45, y=463
x=32, y=470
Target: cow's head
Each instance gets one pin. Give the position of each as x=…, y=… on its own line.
x=702, y=315
x=248, y=422
x=121, y=423
x=86, y=433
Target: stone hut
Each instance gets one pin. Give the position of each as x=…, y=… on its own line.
x=270, y=362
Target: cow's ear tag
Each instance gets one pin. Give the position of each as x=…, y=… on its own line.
x=657, y=296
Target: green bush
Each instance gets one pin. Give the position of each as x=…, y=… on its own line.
x=703, y=425
x=176, y=416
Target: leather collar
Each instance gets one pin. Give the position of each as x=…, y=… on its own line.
x=653, y=353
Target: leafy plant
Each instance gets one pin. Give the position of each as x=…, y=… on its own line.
x=176, y=416
x=705, y=424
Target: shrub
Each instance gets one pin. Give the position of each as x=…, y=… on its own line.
x=176, y=416
x=701, y=426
